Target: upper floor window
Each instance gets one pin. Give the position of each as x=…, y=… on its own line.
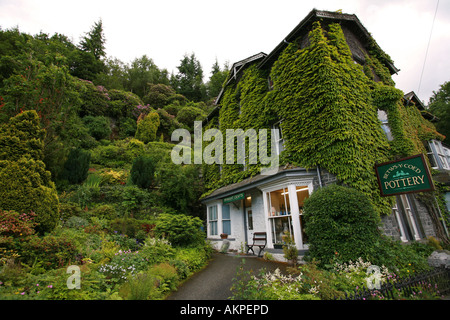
x=438, y=155
x=382, y=116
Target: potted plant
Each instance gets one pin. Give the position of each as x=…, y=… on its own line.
x=223, y=236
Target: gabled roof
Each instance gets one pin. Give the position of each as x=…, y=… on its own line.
x=236, y=68
x=304, y=27
x=412, y=97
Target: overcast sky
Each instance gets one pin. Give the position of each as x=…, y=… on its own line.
x=236, y=29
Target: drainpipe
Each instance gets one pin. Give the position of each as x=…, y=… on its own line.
x=318, y=175
x=245, y=221
x=441, y=217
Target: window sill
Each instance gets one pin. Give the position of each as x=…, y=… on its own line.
x=220, y=239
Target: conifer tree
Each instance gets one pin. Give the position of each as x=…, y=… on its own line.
x=25, y=184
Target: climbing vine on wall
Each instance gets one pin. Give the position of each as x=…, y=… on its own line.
x=329, y=110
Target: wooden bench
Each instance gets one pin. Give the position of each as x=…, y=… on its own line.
x=259, y=240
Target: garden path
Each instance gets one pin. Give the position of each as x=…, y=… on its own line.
x=215, y=280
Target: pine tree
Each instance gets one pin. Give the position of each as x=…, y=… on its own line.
x=94, y=41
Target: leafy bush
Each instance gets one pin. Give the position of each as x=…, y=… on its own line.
x=157, y=250
x=188, y=114
x=341, y=222
x=128, y=226
x=167, y=276
x=193, y=258
x=95, y=99
x=106, y=211
x=181, y=188
x=25, y=186
x=143, y=172
x=270, y=286
x=180, y=229
x=141, y=286
x=52, y=251
x=76, y=222
x=68, y=209
x=122, y=103
x=147, y=126
x=99, y=127
x=77, y=165
x=127, y=127
x=22, y=137
x=403, y=259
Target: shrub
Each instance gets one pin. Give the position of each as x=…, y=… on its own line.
x=194, y=258
x=341, y=222
x=25, y=186
x=167, y=276
x=77, y=165
x=52, y=251
x=147, y=126
x=99, y=127
x=122, y=103
x=180, y=188
x=94, y=99
x=22, y=137
x=180, y=229
x=157, y=250
x=15, y=228
x=143, y=171
x=403, y=259
x=188, y=114
x=105, y=211
x=69, y=209
x=127, y=127
x=142, y=286
x=76, y=222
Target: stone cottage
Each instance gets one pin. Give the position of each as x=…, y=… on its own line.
x=327, y=90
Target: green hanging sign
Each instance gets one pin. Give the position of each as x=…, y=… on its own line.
x=232, y=198
x=402, y=176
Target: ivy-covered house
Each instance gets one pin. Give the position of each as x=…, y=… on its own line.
x=327, y=87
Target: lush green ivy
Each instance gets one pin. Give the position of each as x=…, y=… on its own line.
x=328, y=105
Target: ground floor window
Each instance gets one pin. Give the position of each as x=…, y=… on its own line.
x=285, y=214
x=212, y=217
x=302, y=194
x=405, y=219
x=279, y=214
x=226, y=220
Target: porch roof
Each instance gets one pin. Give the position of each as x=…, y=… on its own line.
x=256, y=181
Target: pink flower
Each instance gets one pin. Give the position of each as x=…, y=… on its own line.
x=50, y=286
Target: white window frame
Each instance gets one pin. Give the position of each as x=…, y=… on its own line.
x=213, y=221
x=440, y=154
x=226, y=220
x=382, y=116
